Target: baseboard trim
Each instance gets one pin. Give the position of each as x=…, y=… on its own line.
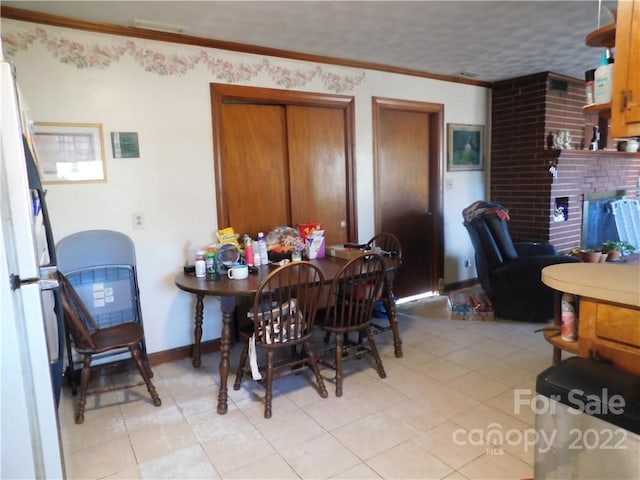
x=186, y=351
x=155, y=359
x=472, y=282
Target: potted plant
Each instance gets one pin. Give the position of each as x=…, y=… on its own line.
x=590, y=256
x=616, y=248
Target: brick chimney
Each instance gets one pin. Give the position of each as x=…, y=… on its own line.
x=526, y=112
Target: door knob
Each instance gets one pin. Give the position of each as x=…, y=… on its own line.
x=343, y=224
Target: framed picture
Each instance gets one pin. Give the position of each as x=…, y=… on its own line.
x=465, y=147
x=70, y=152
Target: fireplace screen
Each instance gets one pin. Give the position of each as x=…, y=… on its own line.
x=598, y=224
x=627, y=217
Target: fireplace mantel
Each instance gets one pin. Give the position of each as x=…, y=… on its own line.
x=590, y=153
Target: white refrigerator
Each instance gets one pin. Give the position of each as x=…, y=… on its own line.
x=29, y=319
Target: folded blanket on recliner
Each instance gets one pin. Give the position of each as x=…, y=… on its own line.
x=481, y=207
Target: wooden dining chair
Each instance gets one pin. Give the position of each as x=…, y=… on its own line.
x=351, y=297
x=89, y=339
x=282, y=319
x=94, y=260
x=385, y=244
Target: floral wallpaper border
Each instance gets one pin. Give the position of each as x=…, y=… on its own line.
x=101, y=55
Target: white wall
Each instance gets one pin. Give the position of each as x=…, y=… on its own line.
x=161, y=91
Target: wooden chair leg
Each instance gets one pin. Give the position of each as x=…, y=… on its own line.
x=339, y=339
x=313, y=361
x=147, y=366
x=376, y=355
x=240, y=371
x=145, y=357
x=389, y=303
x=84, y=386
x=268, y=398
x=136, y=353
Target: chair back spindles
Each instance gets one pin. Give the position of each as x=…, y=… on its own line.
x=282, y=316
x=385, y=244
x=353, y=293
x=89, y=339
x=79, y=322
x=286, y=303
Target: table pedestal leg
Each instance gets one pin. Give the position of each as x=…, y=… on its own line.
x=557, y=321
x=390, y=307
x=228, y=306
x=197, y=331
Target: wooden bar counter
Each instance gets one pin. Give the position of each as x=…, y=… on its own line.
x=608, y=312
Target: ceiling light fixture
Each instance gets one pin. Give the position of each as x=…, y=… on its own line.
x=158, y=27
x=466, y=73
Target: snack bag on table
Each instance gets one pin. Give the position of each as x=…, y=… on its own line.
x=313, y=235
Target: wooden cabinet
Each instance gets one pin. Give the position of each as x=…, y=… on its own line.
x=610, y=332
x=608, y=313
x=606, y=331
x=625, y=105
x=624, y=109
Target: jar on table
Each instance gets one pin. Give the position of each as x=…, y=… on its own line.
x=210, y=260
x=201, y=267
x=568, y=328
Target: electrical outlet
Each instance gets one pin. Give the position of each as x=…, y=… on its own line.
x=137, y=220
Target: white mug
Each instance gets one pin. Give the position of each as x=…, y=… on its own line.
x=238, y=272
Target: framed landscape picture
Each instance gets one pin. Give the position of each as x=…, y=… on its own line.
x=465, y=147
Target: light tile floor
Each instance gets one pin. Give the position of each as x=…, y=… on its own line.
x=446, y=410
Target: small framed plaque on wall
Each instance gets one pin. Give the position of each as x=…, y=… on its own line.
x=125, y=145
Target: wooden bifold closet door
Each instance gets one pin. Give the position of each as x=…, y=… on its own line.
x=317, y=169
x=282, y=163
x=254, y=167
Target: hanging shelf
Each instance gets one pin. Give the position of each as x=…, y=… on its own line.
x=602, y=37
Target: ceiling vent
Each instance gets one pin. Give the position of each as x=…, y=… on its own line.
x=559, y=85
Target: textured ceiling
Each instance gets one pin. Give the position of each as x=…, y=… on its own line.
x=494, y=39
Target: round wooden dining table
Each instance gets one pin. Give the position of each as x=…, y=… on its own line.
x=230, y=292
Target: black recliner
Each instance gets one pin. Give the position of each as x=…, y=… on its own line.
x=510, y=272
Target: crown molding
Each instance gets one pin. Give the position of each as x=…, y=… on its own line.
x=66, y=22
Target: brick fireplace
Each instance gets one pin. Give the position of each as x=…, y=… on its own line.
x=525, y=112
